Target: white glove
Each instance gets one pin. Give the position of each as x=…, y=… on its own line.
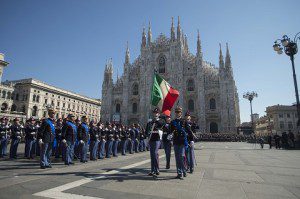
x=19, y=137
x=32, y=133
x=40, y=141
x=192, y=143
x=81, y=141
x=64, y=141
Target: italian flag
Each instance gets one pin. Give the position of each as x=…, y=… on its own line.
x=163, y=96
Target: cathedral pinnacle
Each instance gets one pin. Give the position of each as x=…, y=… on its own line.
x=149, y=34
x=178, y=30
x=228, y=58
x=172, y=30
x=199, y=50
x=127, y=55
x=221, y=60
x=144, y=37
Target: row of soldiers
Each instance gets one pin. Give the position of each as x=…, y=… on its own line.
x=71, y=139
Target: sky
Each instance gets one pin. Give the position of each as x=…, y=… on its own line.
x=66, y=42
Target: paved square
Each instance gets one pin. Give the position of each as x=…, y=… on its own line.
x=224, y=170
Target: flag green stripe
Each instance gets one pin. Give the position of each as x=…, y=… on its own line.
x=156, y=95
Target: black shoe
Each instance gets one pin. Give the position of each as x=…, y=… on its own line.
x=157, y=173
x=167, y=167
x=150, y=174
x=72, y=163
x=49, y=166
x=184, y=174
x=179, y=176
x=42, y=167
x=67, y=164
x=191, y=171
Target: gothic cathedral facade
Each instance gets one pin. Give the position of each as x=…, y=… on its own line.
x=209, y=93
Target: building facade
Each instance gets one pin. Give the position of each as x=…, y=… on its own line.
x=31, y=98
x=207, y=91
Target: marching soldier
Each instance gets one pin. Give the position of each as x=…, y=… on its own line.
x=16, y=133
x=102, y=135
x=110, y=140
x=167, y=140
x=124, y=139
x=77, y=144
x=83, y=137
x=137, y=137
x=142, y=140
x=69, y=136
x=116, y=141
x=154, y=131
x=131, y=139
x=94, y=137
x=58, y=135
x=4, y=136
x=46, y=135
x=190, y=153
x=31, y=133
x=179, y=142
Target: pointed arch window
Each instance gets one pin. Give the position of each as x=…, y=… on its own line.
x=135, y=89
x=134, y=108
x=162, y=64
x=212, y=104
x=118, y=108
x=190, y=85
x=191, y=105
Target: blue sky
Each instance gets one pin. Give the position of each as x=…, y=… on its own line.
x=67, y=42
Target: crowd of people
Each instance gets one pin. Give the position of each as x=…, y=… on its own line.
x=70, y=138
x=223, y=137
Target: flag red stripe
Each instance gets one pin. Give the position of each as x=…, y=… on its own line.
x=169, y=101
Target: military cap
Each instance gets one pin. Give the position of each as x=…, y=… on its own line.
x=31, y=119
x=187, y=113
x=178, y=109
x=51, y=110
x=155, y=110
x=16, y=119
x=83, y=117
x=71, y=115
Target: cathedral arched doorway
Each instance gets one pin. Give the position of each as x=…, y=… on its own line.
x=213, y=127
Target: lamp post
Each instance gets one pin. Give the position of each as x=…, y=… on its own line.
x=290, y=48
x=250, y=96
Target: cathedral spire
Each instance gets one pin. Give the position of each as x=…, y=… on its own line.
x=127, y=55
x=228, y=58
x=179, y=30
x=221, y=59
x=199, y=50
x=186, y=46
x=149, y=34
x=144, y=37
x=172, y=30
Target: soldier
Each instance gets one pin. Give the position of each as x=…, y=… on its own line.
x=116, y=141
x=31, y=134
x=69, y=136
x=131, y=138
x=167, y=140
x=142, y=140
x=77, y=144
x=137, y=137
x=58, y=136
x=102, y=135
x=4, y=136
x=190, y=153
x=94, y=137
x=154, y=131
x=83, y=137
x=277, y=141
x=16, y=133
x=179, y=141
x=124, y=140
x=110, y=140
x=46, y=135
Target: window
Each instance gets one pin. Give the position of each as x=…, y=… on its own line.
x=280, y=115
x=4, y=107
x=38, y=98
x=46, y=101
x=64, y=105
x=118, y=108
x=281, y=125
x=46, y=93
x=23, y=109
x=134, y=108
x=34, y=98
x=3, y=94
x=135, y=89
x=34, y=111
x=161, y=64
x=212, y=104
x=191, y=105
x=213, y=127
x=13, y=108
x=52, y=102
x=190, y=85
x=290, y=125
x=58, y=104
x=17, y=97
x=8, y=95
x=288, y=115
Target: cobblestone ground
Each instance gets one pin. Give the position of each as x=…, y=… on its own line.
x=224, y=170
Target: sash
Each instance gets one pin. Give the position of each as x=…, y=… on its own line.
x=74, y=127
x=86, y=130
x=49, y=122
x=180, y=129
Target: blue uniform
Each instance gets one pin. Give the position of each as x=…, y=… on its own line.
x=16, y=132
x=47, y=134
x=190, y=153
x=116, y=142
x=154, y=143
x=102, y=143
x=69, y=133
x=94, y=141
x=124, y=140
x=83, y=135
x=30, y=141
x=167, y=143
x=180, y=144
x=109, y=142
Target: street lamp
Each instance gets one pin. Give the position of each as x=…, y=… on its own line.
x=290, y=48
x=250, y=96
